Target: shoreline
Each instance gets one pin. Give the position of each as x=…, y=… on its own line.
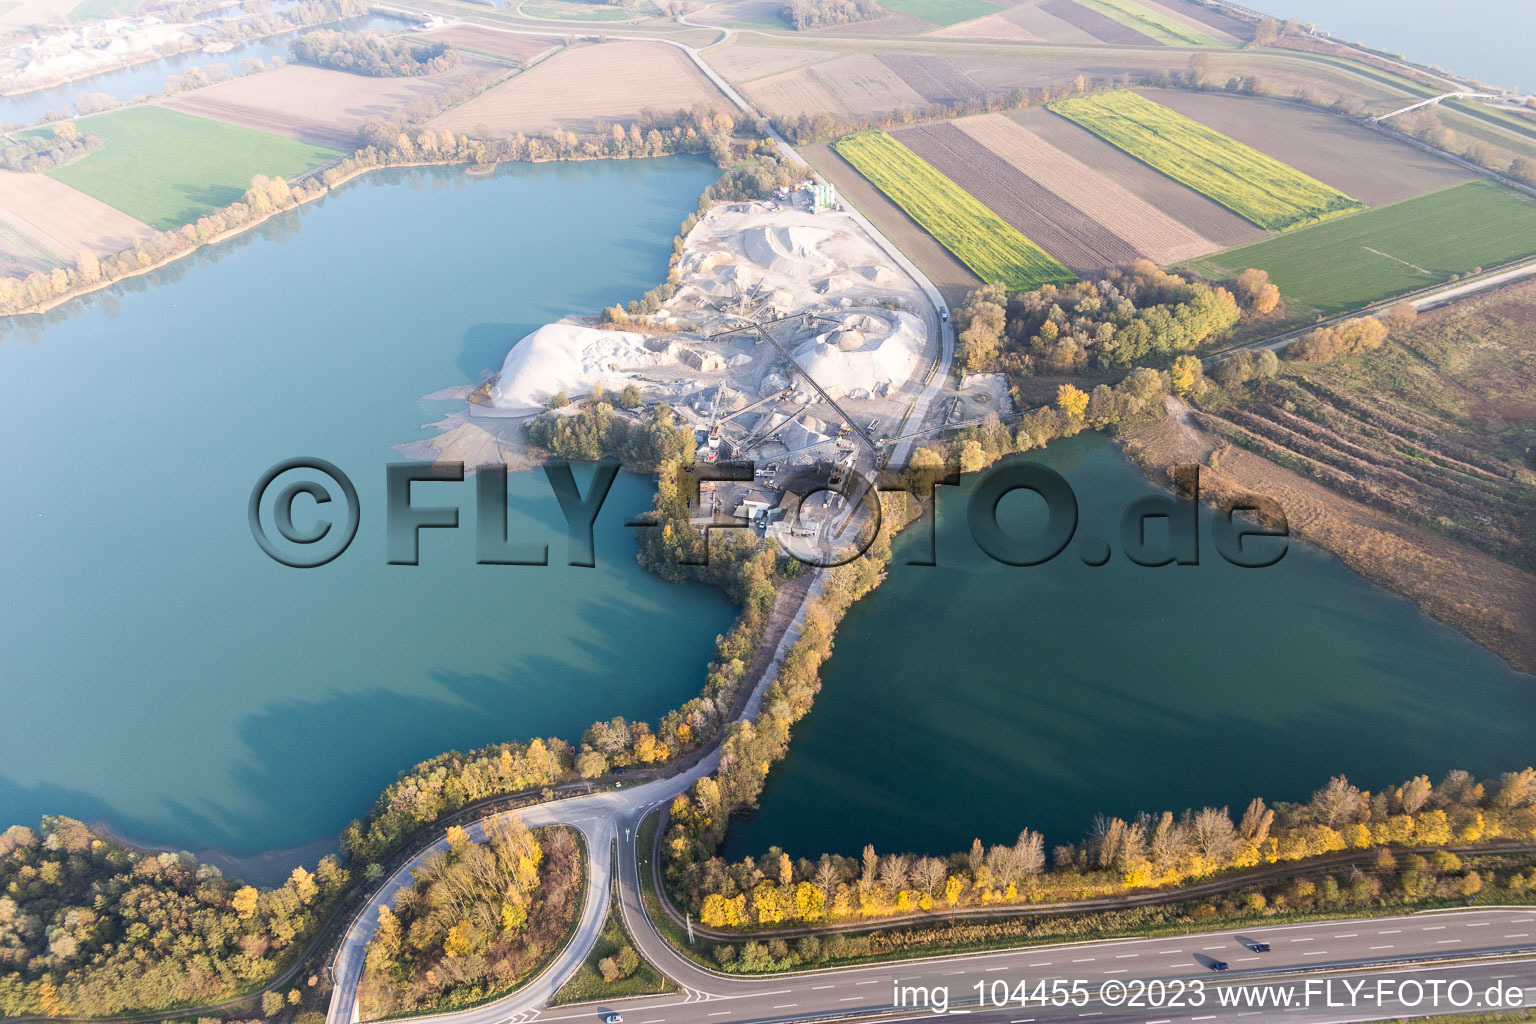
x=1489, y=602
x=264, y=868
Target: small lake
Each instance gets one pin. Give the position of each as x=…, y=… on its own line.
x=1489, y=40
x=158, y=671
x=149, y=78
x=975, y=699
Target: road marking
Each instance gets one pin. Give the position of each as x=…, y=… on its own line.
x=1446, y=942
x=1095, y=1013
x=1316, y=952
x=994, y=970
x=1118, y=970
x=875, y=982
x=1348, y=935
x=849, y=999
x=1303, y=940
x=1084, y=960
x=1024, y=1020
x=780, y=1006
x=1222, y=946
x=1211, y=1016
x=1125, y=956
x=1390, y=931
x=1157, y=1022
x=719, y=1013
x=1241, y=959
x=1045, y=964
x=1484, y=924
x=1383, y=947
x=1433, y=928
x=1167, y=952
x=818, y=988
x=949, y=974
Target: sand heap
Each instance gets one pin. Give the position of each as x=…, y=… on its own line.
x=570, y=358
x=770, y=257
x=865, y=354
x=791, y=249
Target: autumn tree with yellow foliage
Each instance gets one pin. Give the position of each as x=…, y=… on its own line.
x=479, y=918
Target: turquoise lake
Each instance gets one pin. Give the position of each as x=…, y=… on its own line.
x=157, y=671
x=975, y=699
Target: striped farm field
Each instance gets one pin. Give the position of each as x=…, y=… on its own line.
x=1271, y=194
x=958, y=220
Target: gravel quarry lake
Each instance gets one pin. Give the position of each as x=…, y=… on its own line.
x=157, y=671
x=976, y=699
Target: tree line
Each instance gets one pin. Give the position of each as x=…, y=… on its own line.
x=1387, y=880
x=91, y=928
x=1119, y=854
x=391, y=144
x=478, y=919
x=368, y=53
x=1123, y=317
x=803, y=14
x=45, y=149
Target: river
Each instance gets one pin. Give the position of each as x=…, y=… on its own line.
x=157, y=671
x=149, y=78
x=975, y=699
x=1488, y=40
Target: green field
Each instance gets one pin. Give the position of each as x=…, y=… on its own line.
x=578, y=10
x=942, y=12
x=962, y=224
x=1164, y=29
x=1273, y=195
x=167, y=168
x=1353, y=261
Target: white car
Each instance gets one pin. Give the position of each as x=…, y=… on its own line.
x=613, y=1018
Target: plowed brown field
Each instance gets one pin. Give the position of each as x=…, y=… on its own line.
x=520, y=48
x=1147, y=230
x=318, y=104
x=45, y=223
x=574, y=89
x=1075, y=238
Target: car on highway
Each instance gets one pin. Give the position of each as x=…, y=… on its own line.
x=1219, y=965
x=1258, y=947
x=613, y=1018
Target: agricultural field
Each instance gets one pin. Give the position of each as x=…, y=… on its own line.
x=1096, y=23
x=954, y=279
x=864, y=84
x=1369, y=165
x=1366, y=257
x=1140, y=228
x=1438, y=426
x=981, y=240
x=579, y=10
x=45, y=223
x=1071, y=235
x=793, y=93
x=585, y=84
x=994, y=26
x=476, y=39
x=935, y=79
x=742, y=63
x=149, y=156
x=942, y=12
x=1200, y=214
x=1271, y=194
x=1159, y=25
x=318, y=104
